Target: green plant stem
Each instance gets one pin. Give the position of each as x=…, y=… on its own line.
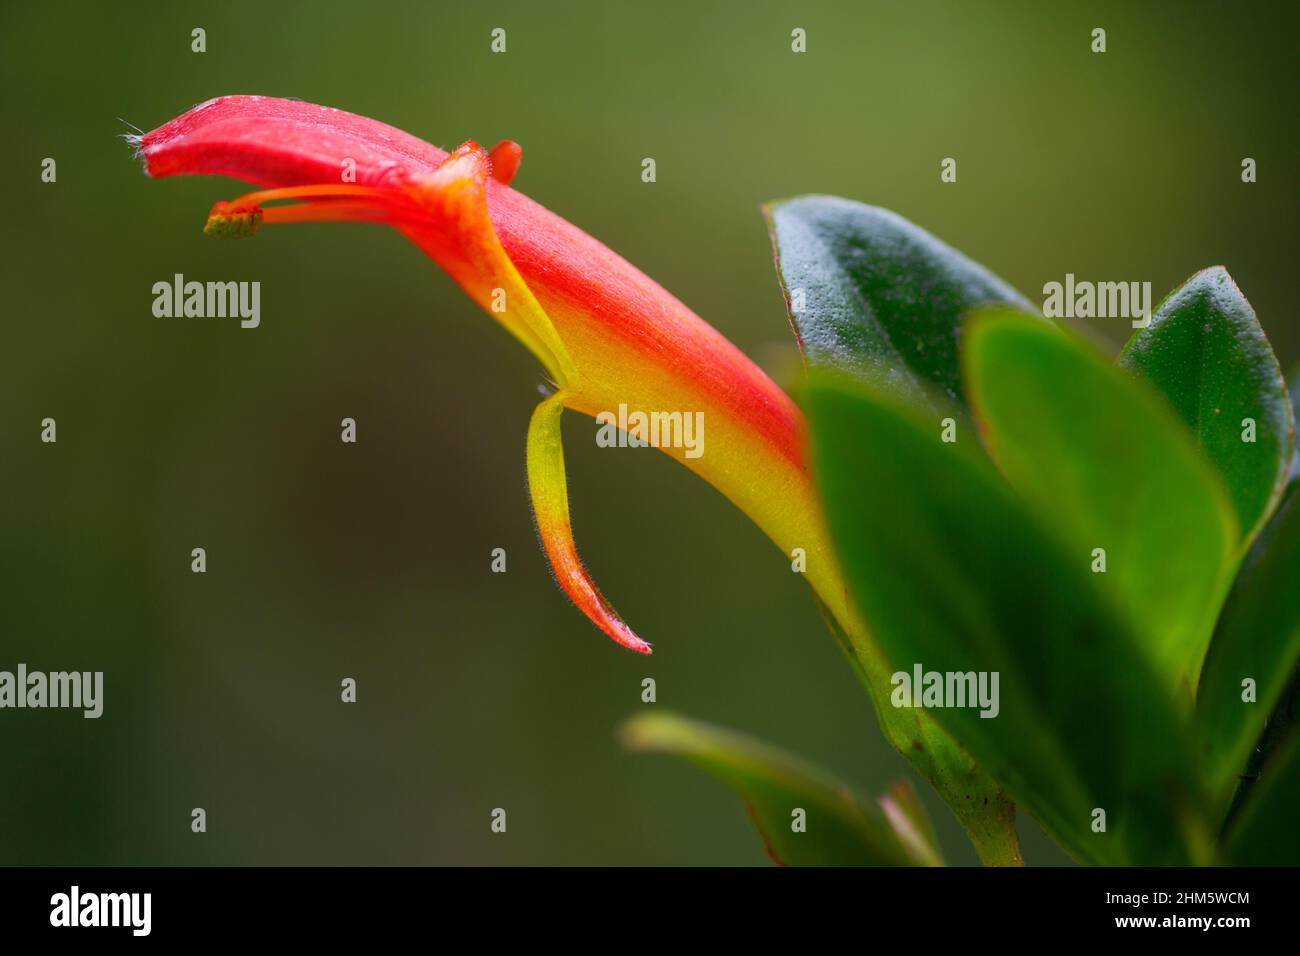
x=977, y=800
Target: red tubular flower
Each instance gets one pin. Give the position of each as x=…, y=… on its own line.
x=609, y=337
x=606, y=334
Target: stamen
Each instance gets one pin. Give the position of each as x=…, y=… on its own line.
x=318, y=191
x=337, y=212
x=244, y=216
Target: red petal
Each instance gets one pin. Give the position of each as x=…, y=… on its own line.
x=273, y=142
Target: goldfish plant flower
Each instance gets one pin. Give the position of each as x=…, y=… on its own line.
x=607, y=336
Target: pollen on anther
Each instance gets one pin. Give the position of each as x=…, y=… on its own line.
x=227, y=221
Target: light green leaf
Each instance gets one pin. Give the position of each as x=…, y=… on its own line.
x=1205, y=351
x=838, y=829
x=955, y=576
x=868, y=290
x=1103, y=461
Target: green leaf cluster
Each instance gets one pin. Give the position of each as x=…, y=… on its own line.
x=1119, y=542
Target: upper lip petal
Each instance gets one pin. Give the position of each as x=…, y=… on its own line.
x=276, y=142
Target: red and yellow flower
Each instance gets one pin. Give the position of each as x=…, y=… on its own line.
x=605, y=333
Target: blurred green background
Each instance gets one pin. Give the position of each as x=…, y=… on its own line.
x=372, y=561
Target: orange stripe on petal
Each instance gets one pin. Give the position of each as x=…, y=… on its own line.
x=550, y=492
x=464, y=243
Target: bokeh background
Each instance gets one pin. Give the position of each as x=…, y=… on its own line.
x=372, y=561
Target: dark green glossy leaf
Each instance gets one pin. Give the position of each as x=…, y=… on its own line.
x=840, y=830
x=1257, y=640
x=1205, y=351
x=1106, y=465
x=1267, y=831
x=1295, y=417
x=954, y=575
x=868, y=290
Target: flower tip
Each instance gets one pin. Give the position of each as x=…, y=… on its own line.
x=504, y=159
x=228, y=221
x=136, y=142
x=615, y=628
x=641, y=647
